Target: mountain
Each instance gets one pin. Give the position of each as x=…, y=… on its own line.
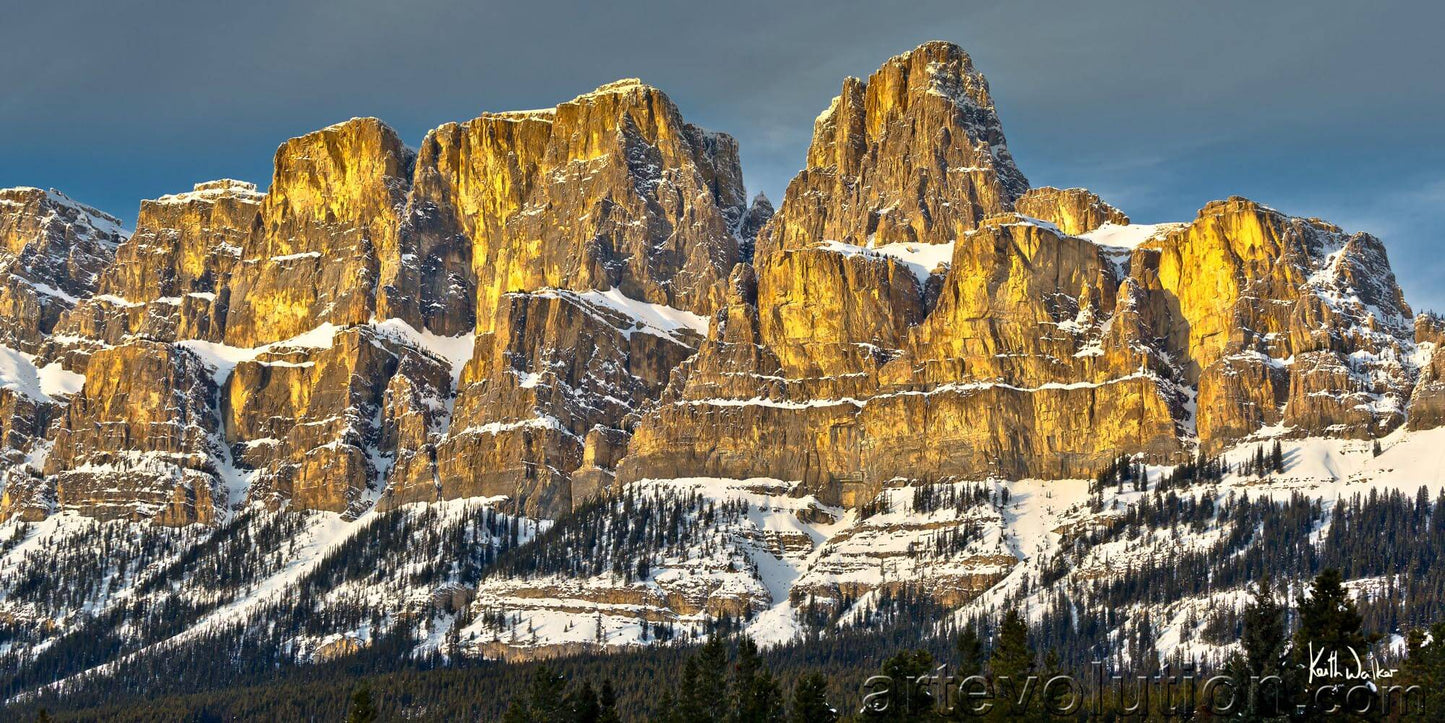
x=550, y=384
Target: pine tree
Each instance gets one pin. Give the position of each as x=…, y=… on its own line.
x=810, y=700
x=1053, y=666
x=1425, y=665
x=517, y=712
x=1328, y=615
x=704, y=686
x=1329, y=623
x=1276, y=457
x=1265, y=643
x=909, y=702
x=667, y=707
x=756, y=695
x=544, y=700
x=607, y=704
x=362, y=710
x=1264, y=633
x=582, y=704
x=970, y=652
x=1013, y=658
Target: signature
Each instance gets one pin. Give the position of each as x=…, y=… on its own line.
x=1328, y=666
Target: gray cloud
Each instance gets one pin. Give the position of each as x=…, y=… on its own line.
x=1328, y=107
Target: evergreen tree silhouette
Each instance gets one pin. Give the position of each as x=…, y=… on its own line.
x=362, y=710
x=810, y=700
x=756, y=695
x=1013, y=658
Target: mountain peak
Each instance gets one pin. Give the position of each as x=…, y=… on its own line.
x=619, y=87
x=937, y=56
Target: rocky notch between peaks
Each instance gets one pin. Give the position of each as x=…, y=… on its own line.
x=546, y=305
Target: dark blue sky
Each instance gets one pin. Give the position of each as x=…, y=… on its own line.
x=1317, y=108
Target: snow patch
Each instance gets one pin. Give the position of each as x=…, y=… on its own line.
x=19, y=373
x=921, y=259
x=1130, y=236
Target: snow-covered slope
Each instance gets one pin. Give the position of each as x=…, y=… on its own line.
x=671, y=560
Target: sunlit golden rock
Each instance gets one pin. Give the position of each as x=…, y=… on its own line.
x=325, y=246
x=140, y=440
x=1073, y=210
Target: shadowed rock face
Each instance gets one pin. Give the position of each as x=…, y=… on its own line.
x=52, y=251
x=169, y=279
x=544, y=305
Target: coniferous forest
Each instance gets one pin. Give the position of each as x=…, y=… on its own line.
x=1294, y=576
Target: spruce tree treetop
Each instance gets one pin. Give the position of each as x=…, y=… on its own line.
x=362, y=710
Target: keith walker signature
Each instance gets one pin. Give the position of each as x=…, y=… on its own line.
x=1325, y=664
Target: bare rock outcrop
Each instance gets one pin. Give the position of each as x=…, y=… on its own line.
x=912, y=310
x=324, y=249
x=324, y=423
x=1280, y=321
x=606, y=224
x=1074, y=210
x=1427, y=402
x=169, y=279
x=52, y=252
x=140, y=441
x=1032, y=347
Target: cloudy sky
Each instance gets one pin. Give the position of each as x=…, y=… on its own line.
x=1318, y=108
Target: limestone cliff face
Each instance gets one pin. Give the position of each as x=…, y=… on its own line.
x=324, y=248
x=169, y=279
x=837, y=360
x=915, y=154
x=648, y=203
x=546, y=232
x=1280, y=321
x=470, y=179
x=1427, y=403
x=52, y=251
x=24, y=416
x=545, y=305
x=609, y=190
x=139, y=442
x=529, y=401
x=1048, y=342
x=1022, y=368
x=1074, y=210
x=324, y=424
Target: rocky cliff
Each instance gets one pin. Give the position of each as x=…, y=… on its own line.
x=1035, y=334
x=549, y=383
x=316, y=338
x=52, y=252
x=168, y=280
x=606, y=223
x=545, y=306
x=324, y=248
